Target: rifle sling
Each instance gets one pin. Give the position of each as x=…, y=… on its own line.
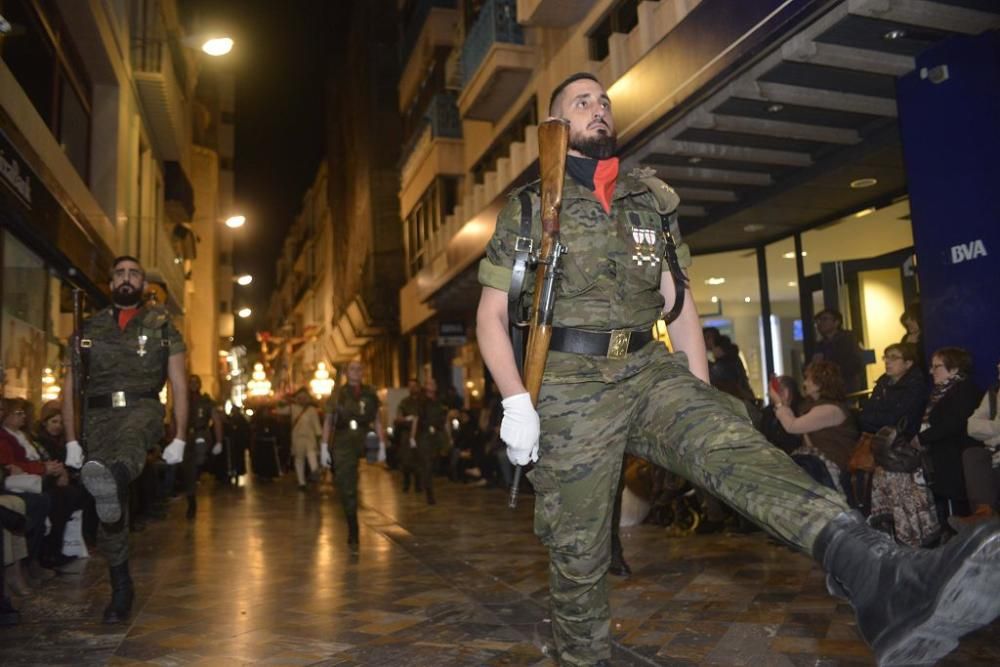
x=523, y=257
x=670, y=255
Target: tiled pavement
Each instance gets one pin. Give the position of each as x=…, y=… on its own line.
x=263, y=577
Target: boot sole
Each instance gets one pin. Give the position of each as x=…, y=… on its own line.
x=968, y=600
x=101, y=484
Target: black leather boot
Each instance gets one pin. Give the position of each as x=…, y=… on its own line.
x=352, y=532
x=122, y=594
x=912, y=605
x=108, y=484
x=192, y=509
x=618, y=566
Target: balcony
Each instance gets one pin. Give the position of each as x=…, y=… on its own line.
x=432, y=25
x=553, y=13
x=162, y=98
x=435, y=149
x=496, y=65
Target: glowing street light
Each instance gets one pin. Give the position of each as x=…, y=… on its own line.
x=217, y=46
x=236, y=221
x=259, y=385
x=244, y=312
x=321, y=383
x=244, y=280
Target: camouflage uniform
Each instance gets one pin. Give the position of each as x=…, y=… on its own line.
x=200, y=415
x=406, y=456
x=124, y=361
x=354, y=410
x=432, y=440
x=593, y=409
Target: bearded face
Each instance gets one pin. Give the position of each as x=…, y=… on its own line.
x=595, y=145
x=126, y=295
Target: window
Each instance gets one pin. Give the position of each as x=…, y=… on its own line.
x=45, y=63
x=501, y=145
x=426, y=218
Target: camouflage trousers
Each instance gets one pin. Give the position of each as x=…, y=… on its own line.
x=122, y=435
x=348, y=447
x=669, y=417
x=429, y=448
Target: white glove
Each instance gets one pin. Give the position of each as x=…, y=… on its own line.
x=74, y=454
x=174, y=453
x=381, y=451
x=519, y=429
x=216, y=449
x=413, y=443
x=324, y=455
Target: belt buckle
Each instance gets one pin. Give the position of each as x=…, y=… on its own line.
x=353, y=424
x=118, y=399
x=431, y=430
x=618, y=345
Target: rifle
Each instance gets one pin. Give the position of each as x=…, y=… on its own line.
x=76, y=364
x=553, y=142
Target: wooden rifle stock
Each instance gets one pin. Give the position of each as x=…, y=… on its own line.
x=553, y=142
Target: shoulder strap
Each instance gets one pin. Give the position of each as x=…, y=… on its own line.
x=666, y=205
x=524, y=256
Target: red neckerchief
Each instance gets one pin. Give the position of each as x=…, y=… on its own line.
x=605, y=178
x=125, y=316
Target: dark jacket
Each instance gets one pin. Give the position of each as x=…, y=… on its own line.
x=776, y=433
x=844, y=350
x=947, y=437
x=891, y=402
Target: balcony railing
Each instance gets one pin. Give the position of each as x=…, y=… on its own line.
x=441, y=118
x=415, y=23
x=497, y=22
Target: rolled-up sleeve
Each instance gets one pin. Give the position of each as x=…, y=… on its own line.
x=495, y=269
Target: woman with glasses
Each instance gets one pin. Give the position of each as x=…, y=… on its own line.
x=944, y=431
x=898, y=401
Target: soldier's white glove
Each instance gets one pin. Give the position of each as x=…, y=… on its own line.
x=413, y=443
x=324, y=455
x=174, y=453
x=74, y=454
x=216, y=449
x=519, y=429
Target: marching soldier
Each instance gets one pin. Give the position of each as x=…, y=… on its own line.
x=433, y=435
x=351, y=413
x=125, y=352
x=609, y=387
x=406, y=414
x=205, y=428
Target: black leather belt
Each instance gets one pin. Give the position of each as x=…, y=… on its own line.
x=120, y=399
x=615, y=344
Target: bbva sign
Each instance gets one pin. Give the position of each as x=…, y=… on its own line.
x=966, y=251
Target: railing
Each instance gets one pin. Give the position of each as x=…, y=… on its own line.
x=415, y=23
x=441, y=117
x=497, y=22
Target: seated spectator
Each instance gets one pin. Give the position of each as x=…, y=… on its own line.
x=944, y=430
x=788, y=394
x=899, y=395
x=910, y=319
x=981, y=465
x=65, y=491
x=829, y=432
x=900, y=497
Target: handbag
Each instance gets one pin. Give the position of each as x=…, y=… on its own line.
x=893, y=452
x=24, y=483
x=862, y=458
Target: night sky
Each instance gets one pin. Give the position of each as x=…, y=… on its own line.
x=279, y=62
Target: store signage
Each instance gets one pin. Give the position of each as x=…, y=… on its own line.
x=967, y=251
x=451, y=334
x=16, y=176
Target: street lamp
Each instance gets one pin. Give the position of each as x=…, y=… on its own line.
x=244, y=312
x=235, y=221
x=217, y=46
x=244, y=280
x=321, y=383
x=259, y=385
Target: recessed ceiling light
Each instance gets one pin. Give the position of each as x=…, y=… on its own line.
x=775, y=108
x=715, y=281
x=791, y=254
x=746, y=299
x=865, y=211
x=694, y=160
x=792, y=283
x=861, y=183
x=715, y=299
x=754, y=227
x=894, y=34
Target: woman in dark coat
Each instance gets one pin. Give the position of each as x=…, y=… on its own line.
x=944, y=432
x=900, y=394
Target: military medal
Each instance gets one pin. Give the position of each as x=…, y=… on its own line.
x=643, y=246
x=361, y=404
x=142, y=345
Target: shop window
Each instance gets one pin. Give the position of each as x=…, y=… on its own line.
x=25, y=325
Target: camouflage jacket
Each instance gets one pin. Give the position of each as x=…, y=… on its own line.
x=129, y=360
x=201, y=413
x=433, y=413
x=408, y=407
x=610, y=276
x=345, y=406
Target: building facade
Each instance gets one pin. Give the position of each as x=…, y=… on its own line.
x=96, y=103
x=776, y=122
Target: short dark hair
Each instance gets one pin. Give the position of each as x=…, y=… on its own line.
x=126, y=258
x=830, y=311
x=912, y=311
x=579, y=76
x=906, y=350
x=954, y=359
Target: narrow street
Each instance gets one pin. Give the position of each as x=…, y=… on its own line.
x=263, y=576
